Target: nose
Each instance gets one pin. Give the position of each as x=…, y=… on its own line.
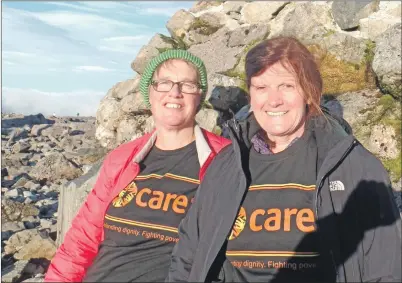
x=175, y=91
x=274, y=98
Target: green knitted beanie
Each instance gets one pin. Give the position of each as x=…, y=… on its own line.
x=146, y=77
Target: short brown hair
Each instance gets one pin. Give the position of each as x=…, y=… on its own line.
x=292, y=54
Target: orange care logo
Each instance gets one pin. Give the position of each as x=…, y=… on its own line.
x=239, y=224
x=153, y=199
x=126, y=195
x=274, y=219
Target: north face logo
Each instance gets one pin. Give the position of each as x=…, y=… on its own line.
x=336, y=186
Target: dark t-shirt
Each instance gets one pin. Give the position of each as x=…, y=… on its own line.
x=141, y=222
x=273, y=238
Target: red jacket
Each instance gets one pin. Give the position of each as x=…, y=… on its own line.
x=120, y=166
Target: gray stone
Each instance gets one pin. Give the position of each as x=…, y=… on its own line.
x=13, y=193
x=345, y=47
x=248, y=34
x=261, y=11
x=233, y=6
x=108, y=113
x=131, y=128
x=207, y=119
x=348, y=13
x=387, y=61
x=308, y=22
x=29, y=244
x=14, y=272
x=9, y=228
x=179, y=23
x=149, y=51
x=217, y=56
x=15, y=211
x=132, y=103
x=54, y=167
x=37, y=129
x=21, y=147
x=383, y=142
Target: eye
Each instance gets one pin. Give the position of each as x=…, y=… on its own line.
x=286, y=87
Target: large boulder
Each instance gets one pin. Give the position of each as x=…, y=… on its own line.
x=261, y=11
x=387, y=61
x=55, y=167
x=147, y=52
x=247, y=34
x=29, y=244
x=348, y=13
x=345, y=47
x=16, y=211
x=216, y=54
x=308, y=22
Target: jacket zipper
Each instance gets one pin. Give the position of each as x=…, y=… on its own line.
x=319, y=188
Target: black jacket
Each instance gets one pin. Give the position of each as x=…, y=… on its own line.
x=357, y=219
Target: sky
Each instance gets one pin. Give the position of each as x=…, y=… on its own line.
x=63, y=57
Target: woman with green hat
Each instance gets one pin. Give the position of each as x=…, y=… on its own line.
x=127, y=227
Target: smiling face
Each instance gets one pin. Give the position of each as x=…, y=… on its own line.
x=173, y=109
x=278, y=103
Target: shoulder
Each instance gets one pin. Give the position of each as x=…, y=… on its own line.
x=217, y=143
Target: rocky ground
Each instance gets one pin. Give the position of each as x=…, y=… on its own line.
x=39, y=155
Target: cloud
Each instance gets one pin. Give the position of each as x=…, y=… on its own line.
x=73, y=6
x=92, y=69
x=85, y=102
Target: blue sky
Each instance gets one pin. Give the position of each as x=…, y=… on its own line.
x=63, y=57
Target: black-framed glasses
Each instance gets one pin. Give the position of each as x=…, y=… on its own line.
x=184, y=87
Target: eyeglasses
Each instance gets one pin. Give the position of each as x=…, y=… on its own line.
x=184, y=87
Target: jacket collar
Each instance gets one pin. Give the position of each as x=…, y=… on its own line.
x=203, y=149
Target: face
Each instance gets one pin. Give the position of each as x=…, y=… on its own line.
x=173, y=109
x=278, y=103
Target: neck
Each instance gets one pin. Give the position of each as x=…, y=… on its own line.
x=171, y=139
x=280, y=143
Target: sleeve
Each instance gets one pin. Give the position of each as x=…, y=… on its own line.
x=185, y=249
x=81, y=242
x=380, y=224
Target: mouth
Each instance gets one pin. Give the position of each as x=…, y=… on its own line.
x=276, y=114
x=173, y=105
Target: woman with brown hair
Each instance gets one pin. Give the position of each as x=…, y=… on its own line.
x=296, y=198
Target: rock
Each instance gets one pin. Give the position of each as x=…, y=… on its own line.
x=348, y=13
x=131, y=128
x=386, y=62
x=226, y=94
x=86, y=156
x=37, y=129
x=233, y=6
x=108, y=113
x=4, y=172
x=72, y=196
x=126, y=87
x=383, y=142
x=53, y=167
x=22, y=147
x=207, y=119
x=32, y=186
x=180, y=23
x=106, y=138
x=308, y=22
x=376, y=24
x=132, y=103
x=16, y=134
x=27, y=194
x=28, y=120
x=22, y=180
x=205, y=6
x=247, y=34
x=29, y=244
x=346, y=47
x=13, y=193
x=9, y=228
x=217, y=56
x=37, y=278
x=149, y=51
x=14, y=211
x=261, y=11
x=14, y=272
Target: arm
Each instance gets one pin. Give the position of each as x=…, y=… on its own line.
x=82, y=240
x=381, y=224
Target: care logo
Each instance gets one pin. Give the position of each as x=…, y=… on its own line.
x=126, y=195
x=239, y=225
